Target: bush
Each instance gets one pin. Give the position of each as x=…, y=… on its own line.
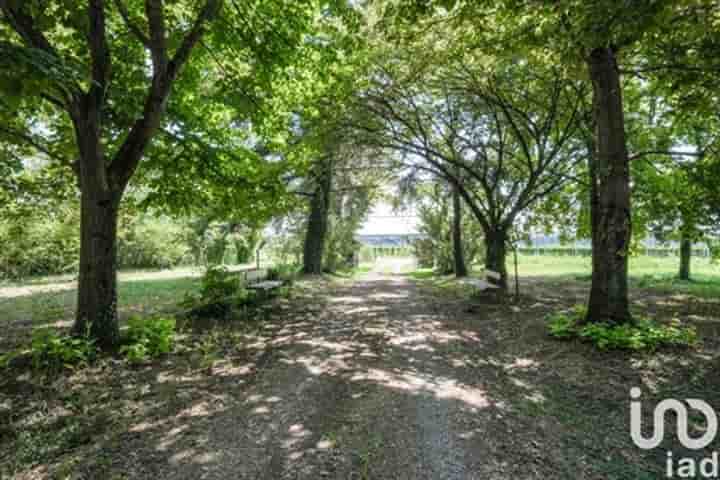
x=53, y=352
x=642, y=335
x=435, y=248
x=148, y=338
x=220, y=291
x=284, y=272
x=39, y=244
x=147, y=242
x=562, y=326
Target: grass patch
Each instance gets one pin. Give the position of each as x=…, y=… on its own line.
x=644, y=270
x=146, y=296
x=422, y=274
x=657, y=273
x=354, y=272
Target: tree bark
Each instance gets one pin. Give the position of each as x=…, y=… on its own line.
x=611, y=221
x=685, y=255
x=496, y=255
x=458, y=255
x=317, y=225
x=97, y=282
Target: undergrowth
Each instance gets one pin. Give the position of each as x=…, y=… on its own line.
x=220, y=292
x=644, y=334
x=148, y=338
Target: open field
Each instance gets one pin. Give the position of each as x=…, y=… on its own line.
x=658, y=273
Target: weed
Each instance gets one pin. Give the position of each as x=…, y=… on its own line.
x=148, y=337
x=52, y=352
x=220, y=292
x=641, y=335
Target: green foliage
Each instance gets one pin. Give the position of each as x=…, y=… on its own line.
x=643, y=335
x=39, y=243
x=435, y=250
x=147, y=242
x=148, y=338
x=284, y=272
x=53, y=352
x=562, y=325
x=220, y=291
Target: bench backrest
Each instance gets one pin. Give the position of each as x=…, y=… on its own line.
x=255, y=275
x=489, y=274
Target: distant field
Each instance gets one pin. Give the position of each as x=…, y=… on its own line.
x=534, y=265
x=658, y=273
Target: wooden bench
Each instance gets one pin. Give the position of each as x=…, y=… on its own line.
x=254, y=275
x=482, y=284
x=265, y=287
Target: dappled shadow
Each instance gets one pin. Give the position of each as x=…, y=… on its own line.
x=382, y=379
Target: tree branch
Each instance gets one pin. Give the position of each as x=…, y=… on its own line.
x=157, y=41
x=133, y=28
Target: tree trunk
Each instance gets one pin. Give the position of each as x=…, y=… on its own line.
x=496, y=254
x=611, y=221
x=316, y=232
x=97, y=282
x=458, y=254
x=685, y=255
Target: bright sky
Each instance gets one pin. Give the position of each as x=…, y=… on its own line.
x=383, y=221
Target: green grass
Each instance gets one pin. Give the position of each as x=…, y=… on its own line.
x=353, y=272
x=422, y=274
x=135, y=296
x=554, y=265
x=659, y=273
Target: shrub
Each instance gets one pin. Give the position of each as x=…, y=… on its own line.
x=148, y=337
x=642, y=335
x=285, y=272
x=562, y=325
x=220, y=291
x=147, y=242
x=39, y=244
x=53, y=352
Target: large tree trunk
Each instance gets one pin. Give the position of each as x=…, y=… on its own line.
x=611, y=222
x=685, y=255
x=317, y=225
x=97, y=283
x=496, y=255
x=458, y=254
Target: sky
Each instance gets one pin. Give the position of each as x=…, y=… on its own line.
x=384, y=221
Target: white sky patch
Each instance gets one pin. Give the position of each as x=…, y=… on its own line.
x=382, y=220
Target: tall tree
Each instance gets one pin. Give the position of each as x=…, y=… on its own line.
x=591, y=38
x=317, y=222
x=103, y=176
x=95, y=78
x=508, y=128
x=459, y=266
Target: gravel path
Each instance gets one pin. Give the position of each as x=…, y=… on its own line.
x=372, y=386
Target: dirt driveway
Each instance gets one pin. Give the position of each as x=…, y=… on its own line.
x=374, y=387
x=380, y=378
